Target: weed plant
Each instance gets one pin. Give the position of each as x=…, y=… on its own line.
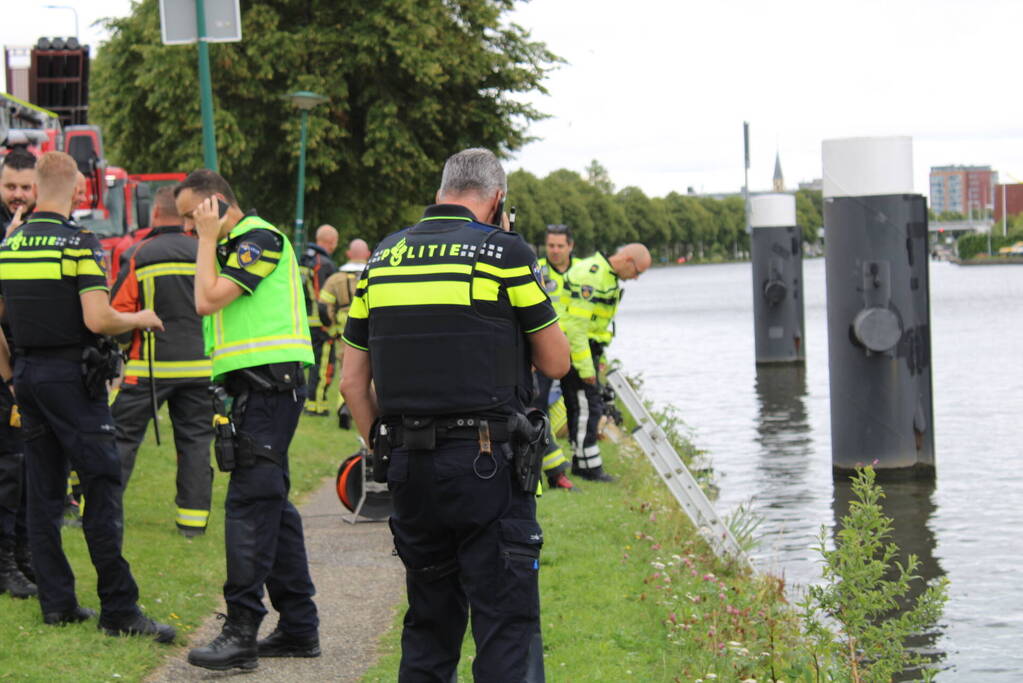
x=857, y=622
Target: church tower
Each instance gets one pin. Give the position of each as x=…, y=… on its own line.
x=779, y=180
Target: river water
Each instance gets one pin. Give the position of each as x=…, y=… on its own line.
x=689, y=332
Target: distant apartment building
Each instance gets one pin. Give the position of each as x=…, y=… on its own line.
x=1008, y=199
x=963, y=189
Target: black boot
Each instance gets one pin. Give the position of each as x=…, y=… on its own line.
x=592, y=474
x=23, y=556
x=280, y=644
x=235, y=647
x=138, y=625
x=11, y=579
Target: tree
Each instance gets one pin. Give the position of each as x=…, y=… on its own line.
x=810, y=214
x=409, y=81
x=599, y=177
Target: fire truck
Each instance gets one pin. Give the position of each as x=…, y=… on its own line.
x=117, y=202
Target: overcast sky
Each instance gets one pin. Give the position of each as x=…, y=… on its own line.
x=657, y=90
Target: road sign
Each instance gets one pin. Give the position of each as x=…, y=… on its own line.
x=178, y=21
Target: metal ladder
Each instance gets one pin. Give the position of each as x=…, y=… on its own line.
x=675, y=475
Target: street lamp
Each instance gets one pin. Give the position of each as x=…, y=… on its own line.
x=304, y=100
x=70, y=8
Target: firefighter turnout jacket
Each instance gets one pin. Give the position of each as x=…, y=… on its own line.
x=315, y=267
x=593, y=296
x=337, y=294
x=159, y=274
x=443, y=308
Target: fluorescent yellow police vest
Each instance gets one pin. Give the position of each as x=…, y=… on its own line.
x=267, y=326
x=594, y=294
x=554, y=285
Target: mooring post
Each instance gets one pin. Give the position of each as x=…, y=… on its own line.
x=776, y=248
x=879, y=345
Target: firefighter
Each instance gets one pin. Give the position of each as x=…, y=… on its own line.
x=316, y=266
x=55, y=291
x=446, y=322
x=248, y=286
x=558, y=243
x=594, y=292
x=160, y=271
x=17, y=198
x=336, y=296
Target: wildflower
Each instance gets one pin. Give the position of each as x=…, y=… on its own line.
x=658, y=565
x=708, y=577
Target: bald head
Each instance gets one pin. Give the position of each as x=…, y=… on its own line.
x=630, y=261
x=81, y=189
x=326, y=237
x=56, y=174
x=358, y=250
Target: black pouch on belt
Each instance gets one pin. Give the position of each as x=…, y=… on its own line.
x=418, y=433
x=223, y=442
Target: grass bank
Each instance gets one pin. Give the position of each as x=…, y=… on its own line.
x=179, y=580
x=628, y=593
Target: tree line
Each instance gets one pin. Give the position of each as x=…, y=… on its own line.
x=672, y=227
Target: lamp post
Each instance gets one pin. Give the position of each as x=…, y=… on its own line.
x=304, y=100
x=70, y=8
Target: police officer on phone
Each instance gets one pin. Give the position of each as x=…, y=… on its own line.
x=248, y=286
x=55, y=293
x=446, y=321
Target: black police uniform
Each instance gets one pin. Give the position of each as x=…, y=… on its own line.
x=44, y=267
x=263, y=529
x=443, y=309
x=316, y=266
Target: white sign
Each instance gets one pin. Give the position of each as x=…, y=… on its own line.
x=178, y=24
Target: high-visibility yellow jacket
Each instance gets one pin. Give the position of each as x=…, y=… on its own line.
x=593, y=296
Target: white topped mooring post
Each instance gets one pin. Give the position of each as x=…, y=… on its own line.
x=879, y=335
x=776, y=249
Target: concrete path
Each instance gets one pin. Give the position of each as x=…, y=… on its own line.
x=359, y=585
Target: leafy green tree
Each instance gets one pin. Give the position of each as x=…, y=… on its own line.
x=810, y=214
x=409, y=81
x=599, y=177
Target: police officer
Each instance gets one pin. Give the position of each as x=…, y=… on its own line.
x=55, y=291
x=248, y=286
x=161, y=270
x=594, y=292
x=17, y=199
x=446, y=322
x=558, y=244
x=315, y=267
x=17, y=187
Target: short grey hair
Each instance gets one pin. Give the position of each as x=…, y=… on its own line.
x=474, y=170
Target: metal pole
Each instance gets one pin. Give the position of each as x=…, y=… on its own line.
x=745, y=182
x=300, y=200
x=1005, y=213
x=209, y=140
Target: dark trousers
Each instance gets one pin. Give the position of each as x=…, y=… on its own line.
x=191, y=414
x=64, y=427
x=469, y=540
x=12, y=482
x=263, y=530
x=322, y=373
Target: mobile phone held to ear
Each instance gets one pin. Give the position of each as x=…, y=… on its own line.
x=222, y=207
x=496, y=220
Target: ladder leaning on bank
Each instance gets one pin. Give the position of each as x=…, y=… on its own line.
x=675, y=475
